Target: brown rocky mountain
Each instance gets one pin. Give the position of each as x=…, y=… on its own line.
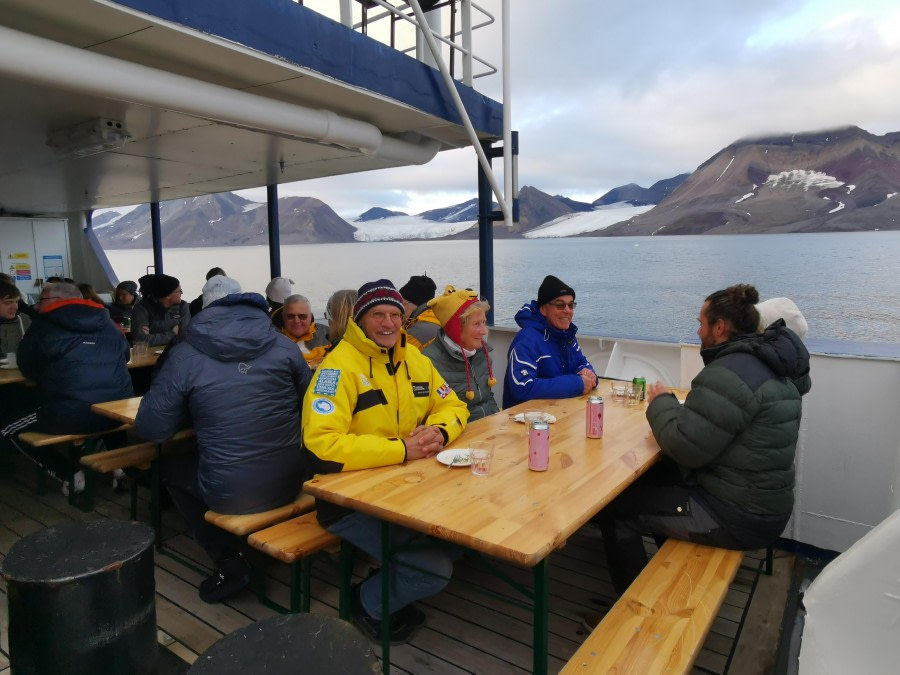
x=227, y=220
x=535, y=208
x=838, y=180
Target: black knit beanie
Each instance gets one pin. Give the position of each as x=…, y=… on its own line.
x=418, y=290
x=552, y=288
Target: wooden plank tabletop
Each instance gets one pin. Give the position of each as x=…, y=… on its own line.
x=14, y=375
x=124, y=410
x=149, y=359
x=514, y=513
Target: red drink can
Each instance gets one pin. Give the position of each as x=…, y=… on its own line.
x=539, y=446
x=594, y=417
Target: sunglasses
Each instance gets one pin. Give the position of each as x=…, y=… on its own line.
x=298, y=317
x=563, y=305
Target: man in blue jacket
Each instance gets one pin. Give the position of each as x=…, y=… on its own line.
x=78, y=357
x=544, y=359
x=239, y=383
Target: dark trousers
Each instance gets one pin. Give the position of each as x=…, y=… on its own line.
x=658, y=504
x=180, y=477
x=19, y=405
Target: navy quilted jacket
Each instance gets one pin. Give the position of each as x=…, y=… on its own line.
x=239, y=383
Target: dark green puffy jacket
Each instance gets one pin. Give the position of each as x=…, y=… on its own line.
x=736, y=434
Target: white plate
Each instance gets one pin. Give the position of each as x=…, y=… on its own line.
x=548, y=418
x=447, y=457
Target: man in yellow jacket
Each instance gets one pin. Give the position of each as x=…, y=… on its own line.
x=373, y=402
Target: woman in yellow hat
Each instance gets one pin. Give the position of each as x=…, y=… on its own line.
x=460, y=353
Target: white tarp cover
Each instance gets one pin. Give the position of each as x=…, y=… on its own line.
x=853, y=608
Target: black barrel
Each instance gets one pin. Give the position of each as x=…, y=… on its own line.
x=82, y=600
x=290, y=644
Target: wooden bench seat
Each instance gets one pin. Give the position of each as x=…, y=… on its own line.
x=245, y=524
x=40, y=440
x=76, y=443
x=294, y=542
x=138, y=456
x=660, y=623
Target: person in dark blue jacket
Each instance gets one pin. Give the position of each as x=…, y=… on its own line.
x=544, y=359
x=239, y=383
x=78, y=357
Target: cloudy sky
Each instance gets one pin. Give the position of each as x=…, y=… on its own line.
x=613, y=92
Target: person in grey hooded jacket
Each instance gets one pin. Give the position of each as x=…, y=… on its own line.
x=239, y=383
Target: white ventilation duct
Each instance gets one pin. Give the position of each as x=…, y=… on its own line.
x=45, y=62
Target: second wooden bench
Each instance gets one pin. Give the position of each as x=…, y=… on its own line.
x=660, y=623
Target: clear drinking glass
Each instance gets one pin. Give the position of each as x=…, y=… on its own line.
x=481, y=453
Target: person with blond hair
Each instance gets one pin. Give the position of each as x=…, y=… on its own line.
x=338, y=311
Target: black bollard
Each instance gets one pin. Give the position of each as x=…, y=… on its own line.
x=290, y=644
x=82, y=600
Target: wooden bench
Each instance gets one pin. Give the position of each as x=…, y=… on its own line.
x=76, y=442
x=294, y=542
x=242, y=525
x=137, y=457
x=660, y=623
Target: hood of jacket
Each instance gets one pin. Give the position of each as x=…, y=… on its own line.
x=75, y=315
x=778, y=347
x=234, y=328
x=529, y=316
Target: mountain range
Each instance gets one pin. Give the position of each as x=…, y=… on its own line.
x=838, y=180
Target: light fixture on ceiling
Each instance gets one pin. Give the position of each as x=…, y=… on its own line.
x=88, y=138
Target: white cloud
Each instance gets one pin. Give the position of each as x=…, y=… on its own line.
x=614, y=92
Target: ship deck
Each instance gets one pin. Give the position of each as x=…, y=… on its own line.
x=467, y=631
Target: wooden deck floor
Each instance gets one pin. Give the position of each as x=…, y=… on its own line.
x=467, y=631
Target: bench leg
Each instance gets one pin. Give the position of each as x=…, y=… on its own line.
x=305, y=574
x=346, y=575
x=84, y=500
x=296, y=592
x=770, y=560
x=133, y=490
x=156, y=490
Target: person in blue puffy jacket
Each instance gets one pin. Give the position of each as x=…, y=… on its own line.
x=544, y=359
x=239, y=383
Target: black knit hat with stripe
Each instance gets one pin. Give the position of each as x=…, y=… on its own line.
x=381, y=292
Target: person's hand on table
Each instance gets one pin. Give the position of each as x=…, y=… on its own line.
x=423, y=441
x=589, y=377
x=655, y=390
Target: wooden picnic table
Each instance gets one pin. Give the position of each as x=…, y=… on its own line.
x=514, y=514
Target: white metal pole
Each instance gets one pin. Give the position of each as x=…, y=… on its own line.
x=451, y=88
x=346, y=13
x=465, y=20
x=507, y=118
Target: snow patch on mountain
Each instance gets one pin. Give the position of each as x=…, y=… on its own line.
x=803, y=178
x=581, y=223
x=406, y=227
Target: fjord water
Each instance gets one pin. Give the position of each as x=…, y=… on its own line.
x=846, y=284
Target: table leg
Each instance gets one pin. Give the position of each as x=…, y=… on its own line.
x=541, y=616
x=385, y=597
